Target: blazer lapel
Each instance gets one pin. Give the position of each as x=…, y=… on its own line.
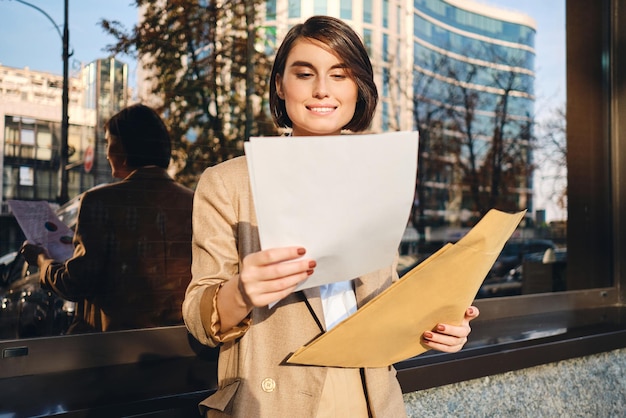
x=314, y=302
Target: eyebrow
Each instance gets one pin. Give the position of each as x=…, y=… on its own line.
x=307, y=64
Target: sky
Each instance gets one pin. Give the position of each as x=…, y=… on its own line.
x=29, y=39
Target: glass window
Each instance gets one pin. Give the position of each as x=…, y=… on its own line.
x=270, y=9
x=367, y=40
x=367, y=11
x=345, y=11
x=385, y=47
x=44, y=145
x=543, y=135
x=385, y=115
x=295, y=8
x=385, y=7
x=319, y=7
x=27, y=136
x=475, y=76
x=27, y=177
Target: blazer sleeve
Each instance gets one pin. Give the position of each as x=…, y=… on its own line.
x=77, y=278
x=215, y=257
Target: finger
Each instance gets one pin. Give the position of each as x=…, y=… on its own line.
x=275, y=255
x=446, y=336
x=283, y=282
x=472, y=313
x=453, y=330
x=262, y=293
x=443, y=343
x=254, y=273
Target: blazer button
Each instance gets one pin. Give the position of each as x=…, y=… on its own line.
x=268, y=384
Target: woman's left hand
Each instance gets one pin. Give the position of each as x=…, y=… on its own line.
x=450, y=338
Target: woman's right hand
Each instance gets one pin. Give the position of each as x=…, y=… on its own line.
x=265, y=277
x=270, y=275
x=33, y=253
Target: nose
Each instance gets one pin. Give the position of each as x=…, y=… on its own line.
x=320, y=90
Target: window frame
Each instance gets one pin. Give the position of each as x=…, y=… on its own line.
x=596, y=236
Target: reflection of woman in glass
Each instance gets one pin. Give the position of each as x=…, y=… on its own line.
x=132, y=252
x=321, y=83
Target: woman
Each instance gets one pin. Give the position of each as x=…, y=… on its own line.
x=132, y=246
x=321, y=83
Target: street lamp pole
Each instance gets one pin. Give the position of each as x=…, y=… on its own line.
x=63, y=195
x=65, y=121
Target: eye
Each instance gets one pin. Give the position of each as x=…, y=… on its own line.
x=339, y=74
x=304, y=74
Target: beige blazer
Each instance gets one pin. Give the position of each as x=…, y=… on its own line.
x=132, y=254
x=253, y=378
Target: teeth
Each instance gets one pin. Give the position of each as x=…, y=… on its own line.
x=322, y=109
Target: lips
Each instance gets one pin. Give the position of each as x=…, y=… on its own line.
x=321, y=109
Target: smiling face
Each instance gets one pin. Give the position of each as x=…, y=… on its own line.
x=320, y=96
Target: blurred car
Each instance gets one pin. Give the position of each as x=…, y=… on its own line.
x=513, y=253
x=27, y=310
x=544, y=271
x=505, y=276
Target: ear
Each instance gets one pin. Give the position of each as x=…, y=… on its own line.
x=279, y=87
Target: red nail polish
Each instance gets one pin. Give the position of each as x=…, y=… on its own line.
x=428, y=335
x=441, y=328
x=301, y=251
x=312, y=264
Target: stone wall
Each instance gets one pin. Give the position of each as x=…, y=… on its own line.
x=593, y=386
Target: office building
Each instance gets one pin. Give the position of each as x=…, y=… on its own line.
x=30, y=133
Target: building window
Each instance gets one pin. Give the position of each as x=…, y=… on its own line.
x=295, y=9
x=345, y=9
x=270, y=9
x=319, y=7
x=27, y=177
x=385, y=7
x=367, y=11
x=367, y=40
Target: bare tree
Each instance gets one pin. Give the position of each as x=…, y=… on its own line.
x=551, y=155
x=494, y=157
x=205, y=72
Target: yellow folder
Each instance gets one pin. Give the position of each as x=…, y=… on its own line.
x=388, y=329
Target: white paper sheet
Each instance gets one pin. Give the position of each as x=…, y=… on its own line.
x=43, y=227
x=346, y=199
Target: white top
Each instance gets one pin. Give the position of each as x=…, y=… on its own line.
x=338, y=301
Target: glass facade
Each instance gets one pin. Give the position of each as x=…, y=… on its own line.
x=106, y=84
x=473, y=84
x=32, y=155
x=31, y=145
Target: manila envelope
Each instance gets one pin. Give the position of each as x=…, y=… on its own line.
x=389, y=328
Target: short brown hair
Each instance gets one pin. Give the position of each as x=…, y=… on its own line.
x=343, y=42
x=143, y=134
